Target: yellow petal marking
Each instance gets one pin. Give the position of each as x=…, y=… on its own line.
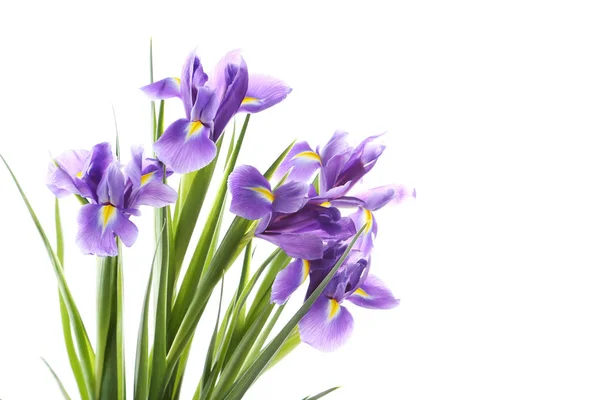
x=108, y=212
x=264, y=192
x=79, y=174
x=193, y=128
x=309, y=155
x=177, y=80
x=325, y=204
x=334, y=308
x=146, y=177
x=306, y=269
x=368, y=220
x=360, y=292
x=250, y=100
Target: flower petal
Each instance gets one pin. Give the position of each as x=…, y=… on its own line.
x=251, y=195
x=373, y=293
x=378, y=197
x=112, y=186
x=289, y=279
x=290, y=197
x=365, y=217
x=205, y=107
x=98, y=226
x=185, y=146
x=164, y=89
x=192, y=76
x=302, y=161
x=307, y=246
x=263, y=92
x=154, y=194
x=327, y=325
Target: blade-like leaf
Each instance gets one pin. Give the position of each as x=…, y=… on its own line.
x=60, y=385
x=120, y=350
x=322, y=394
x=64, y=314
x=81, y=338
x=254, y=371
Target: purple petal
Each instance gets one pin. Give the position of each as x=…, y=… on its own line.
x=302, y=161
x=98, y=226
x=230, y=81
x=263, y=92
x=205, y=107
x=191, y=74
x=112, y=186
x=327, y=325
x=185, y=146
x=154, y=194
x=164, y=89
x=66, y=173
x=133, y=169
x=331, y=171
x=374, y=294
x=307, y=246
x=100, y=158
x=338, y=144
x=289, y=279
x=251, y=195
x=290, y=197
x=365, y=217
x=378, y=197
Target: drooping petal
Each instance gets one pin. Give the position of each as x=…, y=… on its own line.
x=154, y=194
x=251, y=195
x=65, y=174
x=307, y=246
x=185, y=146
x=302, y=161
x=231, y=84
x=164, y=89
x=289, y=279
x=327, y=325
x=373, y=293
x=365, y=217
x=263, y=92
x=290, y=197
x=98, y=225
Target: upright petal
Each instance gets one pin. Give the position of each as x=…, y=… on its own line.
x=191, y=75
x=263, y=92
x=205, y=107
x=112, y=187
x=289, y=279
x=185, y=146
x=133, y=169
x=251, y=195
x=338, y=144
x=373, y=293
x=327, y=325
x=231, y=84
x=164, y=89
x=57, y=180
x=290, y=197
x=98, y=226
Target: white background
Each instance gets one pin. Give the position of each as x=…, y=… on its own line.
x=492, y=112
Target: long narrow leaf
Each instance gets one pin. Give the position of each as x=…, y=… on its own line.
x=322, y=394
x=60, y=385
x=81, y=337
x=119, y=332
x=64, y=314
x=254, y=371
x=106, y=368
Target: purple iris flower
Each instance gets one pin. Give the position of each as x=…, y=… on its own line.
x=341, y=166
x=113, y=196
x=286, y=219
x=210, y=102
x=328, y=324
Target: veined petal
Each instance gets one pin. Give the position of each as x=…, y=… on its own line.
x=263, y=92
x=373, y=293
x=191, y=75
x=365, y=217
x=98, y=226
x=185, y=146
x=378, y=197
x=338, y=144
x=307, y=246
x=164, y=89
x=154, y=194
x=290, y=197
x=302, y=161
x=289, y=279
x=112, y=186
x=100, y=158
x=205, y=107
x=327, y=325
x=251, y=195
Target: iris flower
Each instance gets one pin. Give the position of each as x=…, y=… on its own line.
x=210, y=102
x=113, y=196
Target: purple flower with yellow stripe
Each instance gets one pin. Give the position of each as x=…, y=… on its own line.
x=263, y=92
x=328, y=324
x=209, y=103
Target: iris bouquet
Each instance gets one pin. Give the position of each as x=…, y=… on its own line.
x=308, y=204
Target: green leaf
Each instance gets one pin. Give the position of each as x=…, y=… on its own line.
x=60, y=385
x=255, y=370
x=64, y=314
x=257, y=346
x=81, y=338
x=120, y=351
x=322, y=394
